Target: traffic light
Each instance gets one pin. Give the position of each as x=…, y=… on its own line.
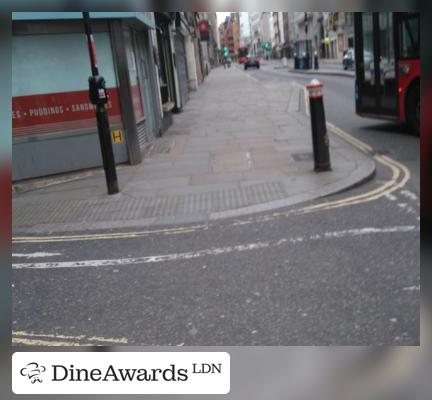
x=225, y=51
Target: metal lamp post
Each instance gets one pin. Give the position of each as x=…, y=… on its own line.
x=99, y=97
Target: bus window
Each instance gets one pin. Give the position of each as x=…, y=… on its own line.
x=409, y=36
x=368, y=48
x=387, y=64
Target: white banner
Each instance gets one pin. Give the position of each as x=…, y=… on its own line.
x=120, y=373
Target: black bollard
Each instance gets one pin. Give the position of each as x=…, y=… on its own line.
x=320, y=140
x=316, y=65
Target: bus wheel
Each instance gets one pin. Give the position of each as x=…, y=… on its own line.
x=413, y=109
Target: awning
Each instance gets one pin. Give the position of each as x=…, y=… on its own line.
x=142, y=17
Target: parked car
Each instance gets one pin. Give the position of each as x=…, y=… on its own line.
x=252, y=61
x=348, y=59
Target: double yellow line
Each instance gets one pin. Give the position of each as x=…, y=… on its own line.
x=400, y=176
x=400, y=173
x=114, y=235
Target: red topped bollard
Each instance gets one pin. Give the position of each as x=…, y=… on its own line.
x=320, y=140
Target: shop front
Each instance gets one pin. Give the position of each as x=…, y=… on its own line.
x=53, y=120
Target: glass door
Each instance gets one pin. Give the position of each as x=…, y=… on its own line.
x=387, y=100
x=366, y=99
x=376, y=92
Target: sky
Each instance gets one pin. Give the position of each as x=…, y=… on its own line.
x=221, y=16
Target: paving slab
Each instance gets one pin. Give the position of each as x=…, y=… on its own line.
x=238, y=147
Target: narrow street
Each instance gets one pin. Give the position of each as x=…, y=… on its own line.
x=338, y=270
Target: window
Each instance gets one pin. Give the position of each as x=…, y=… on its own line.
x=50, y=84
x=133, y=76
x=409, y=38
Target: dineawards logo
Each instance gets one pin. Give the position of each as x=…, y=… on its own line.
x=121, y=373
x=61, y=373
x=33, y=371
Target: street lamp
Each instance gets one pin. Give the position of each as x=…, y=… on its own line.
x=306, y=59
x=306, y=23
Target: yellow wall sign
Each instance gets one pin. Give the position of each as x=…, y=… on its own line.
x=117, y=136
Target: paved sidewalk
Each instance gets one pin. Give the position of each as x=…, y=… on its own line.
x=238, y=147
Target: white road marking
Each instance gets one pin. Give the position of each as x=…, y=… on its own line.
x=409, y=194
x=39, y=254
x=249, y=159
x=47, y=339
x=214, y=251
x=366, y=231
x=250, y=76
x=407, y=208
x=411, y=288
x=391, y=197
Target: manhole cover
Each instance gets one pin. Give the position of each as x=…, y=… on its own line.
x=160, y=147
x=302, y=157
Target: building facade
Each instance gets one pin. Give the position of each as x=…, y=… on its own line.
x=144, y=59
x=256, y=34
x=229, y=32
x=213, y=39
x=342, y=25
x=328, y=33
x=245, y=34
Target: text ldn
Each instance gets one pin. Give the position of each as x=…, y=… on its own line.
x=62, y=373
x=204, y=368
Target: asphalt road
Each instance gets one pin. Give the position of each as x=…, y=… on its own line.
x=347, y=275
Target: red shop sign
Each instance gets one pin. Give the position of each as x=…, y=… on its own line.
x=203, y=27
x=54, y=112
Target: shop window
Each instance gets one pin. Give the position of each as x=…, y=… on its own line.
x=50, y=84
x=409, y=36
x=134, y=77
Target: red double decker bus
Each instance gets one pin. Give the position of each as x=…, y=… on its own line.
x=242, y=52
x=387, y=58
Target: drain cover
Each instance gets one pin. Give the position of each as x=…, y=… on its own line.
x=161, y=146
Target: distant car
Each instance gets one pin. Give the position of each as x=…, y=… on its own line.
x=348, y=59
x=252, y=61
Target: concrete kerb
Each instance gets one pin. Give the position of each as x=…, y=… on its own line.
x=322, y=72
